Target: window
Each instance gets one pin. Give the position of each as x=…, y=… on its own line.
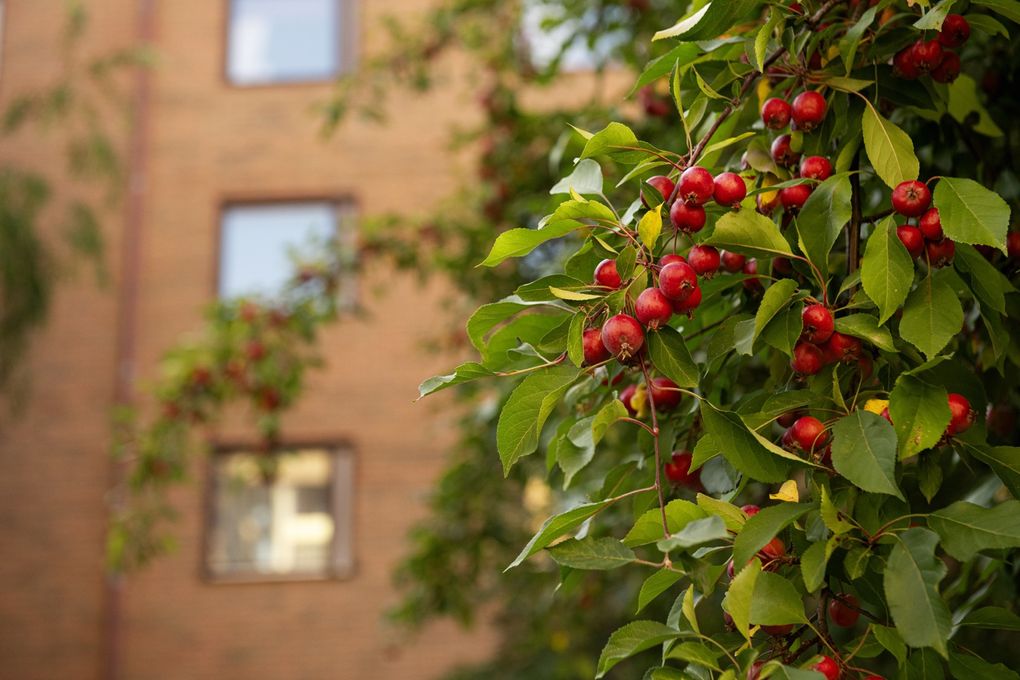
x=259, y=242
x=277, y=41
x=550, y=34
x=280, y=516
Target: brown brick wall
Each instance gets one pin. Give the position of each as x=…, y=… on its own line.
x=210, y=142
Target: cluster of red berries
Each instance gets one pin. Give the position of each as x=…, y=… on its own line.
x=912, y=199
x=695, y=187
x=821, y=344
x=932, y=57
x=806, y=113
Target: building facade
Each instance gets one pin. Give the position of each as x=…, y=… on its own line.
x=225, y=170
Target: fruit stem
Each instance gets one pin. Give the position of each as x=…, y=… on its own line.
x=658, y=454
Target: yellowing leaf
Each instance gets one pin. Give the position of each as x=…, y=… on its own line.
x=876, y=406
x=764, y=89
x=576, y=196
x=650, y=227
x=639, y=402
x=787, y=492
x=564, y=294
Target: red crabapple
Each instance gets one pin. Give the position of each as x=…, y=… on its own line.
x=623, y=336
x=606, y=274
x=911, y=198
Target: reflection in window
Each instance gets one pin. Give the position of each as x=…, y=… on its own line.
x=287, y=515
x=260, y=242
x=550, y=34
x=284, y=40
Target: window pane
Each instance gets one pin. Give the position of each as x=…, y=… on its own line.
x=281, y=40
x=260, y=241
x=280, y=522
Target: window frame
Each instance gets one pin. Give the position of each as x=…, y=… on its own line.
x=347, y=49
x=347, y=232
x=343, y=506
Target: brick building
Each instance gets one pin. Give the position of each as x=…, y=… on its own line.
x=225, y=161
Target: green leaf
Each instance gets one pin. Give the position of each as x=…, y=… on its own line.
x=697, y=532
x=740, y=596
x=761, y=40
x=932, y=315
x=749, y=232
x=635, y=637
x=776, y=298
x=920, y=413
x=557, y=526
x=609, y=141
x=669, y=353
x=813, y=563
x=933, y=18
x=832, y=516
x=992, y=618
x=606, y=416
x=970, y=213
x=648, y=527
x=784, y=330
x=964, y=101
x=592, y=553
x=864, y=451
x=650, y=227
x=586, y=178
x=574, y=449
x=967, y=529
x=740, y=447
x=780, y=672
x=890, y=149
x=912, y=575
x=729, y=141
x=849, y=43
x=731, y=515
x=776, y=602
x=988, y=283
x=462, y=374
x=696, y=653
x=710, y=21
x=656, y=585
x=865, y=327
x=822, y=219
x=763, y=527
x=575, y=340
x=887, y=270
x=520, y=242
x=890, y=639
x=1007, y=8
x=1004, y=461
x=968, y=667
x=525, y=412
x=538, y=290
x=985, y=24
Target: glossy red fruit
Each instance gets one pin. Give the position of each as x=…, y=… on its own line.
x=816, y=167
x=750, y=509
x=940, y=253
x=1013, y=244
x=623, y=336
x=955, y=31
x=927, y=55
x=704, y=259
x=789, y=418
x=595, y=351
x=696, y=185
x=904, y=64
x=787, y=441
x=678, y=470
x=911, y=239
x=842, y=348
x=778, y=631
x=809, y=433
x=818, y=323
x=774, y=549
x=948, y=69
x=844, y=610
x=807, y=359
x=686, y=217
x=828, y=667
x=606, y=274
x=782, y=153
x=931, y=225
x=652, y=308
x=753, y=283
x=782, y=266
x=670, y=259
x=665, y=394
x=689, y=303
x=661, y=190
x=775, y=113
x=911, y=198
x=961, y=414
x=677, y=280
x=626, y=395
x=734, y=262
x=808, y=110
x=793, y=198
x=730, y=189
